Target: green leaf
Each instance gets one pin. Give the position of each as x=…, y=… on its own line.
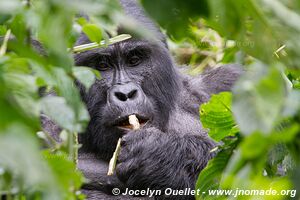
x=64, y=85
x=58, y=27
x=226, y=17
x=9, y=6
x=81, y=21
x=66, y=174
x=217, y=117
x=93, y=32
x=18, y=27
x=85, y=76
x=254, y=145
x=286, y=134
x=276, y=156
x=3, y=28
x=30, y=174
x=243, y=21
x=292, y=104
x=175, y=15
x=211, y=176
x=60, y=112
x=258, y=99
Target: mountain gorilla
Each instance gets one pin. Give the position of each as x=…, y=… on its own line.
x=139, y=77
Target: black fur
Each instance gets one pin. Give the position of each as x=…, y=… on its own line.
x=172, y=148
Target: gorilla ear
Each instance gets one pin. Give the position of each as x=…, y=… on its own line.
x=134, y=10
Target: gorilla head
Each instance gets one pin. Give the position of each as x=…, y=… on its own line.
x=138, y=77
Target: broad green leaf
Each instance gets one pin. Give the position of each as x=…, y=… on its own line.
x=65, y=87
x=243, y=21
x=254, y=146
x=81, y=21
x=286, y=14
x=21, y=83
x=217, y=117
x=18, y=27
x=30, y=174
x=258, y=99
x=22, y=87
x=8, y=6
x=175, y=15
x=85, y=76
x=227, y=17
x=93, y=32
x=66, y=174
x=211, y=175
x=58, y=110
x=292, y=104
x=285, y=134
x=54, y=39
x=3, y=28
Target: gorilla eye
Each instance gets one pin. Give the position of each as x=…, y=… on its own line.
x=102, y=66
x=134, y=60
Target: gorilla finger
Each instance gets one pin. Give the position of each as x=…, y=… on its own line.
x=125, y=169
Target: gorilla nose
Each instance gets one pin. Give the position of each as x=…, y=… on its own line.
x=125, y=92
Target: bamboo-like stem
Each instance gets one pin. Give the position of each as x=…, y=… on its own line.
x=4, y=44
x=133, y=120
x=71, y=145
x=113, y=160
x=76, y=147
x=103, y=43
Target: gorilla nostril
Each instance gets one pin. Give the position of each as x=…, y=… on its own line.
x=121, y=96
x=132, y=94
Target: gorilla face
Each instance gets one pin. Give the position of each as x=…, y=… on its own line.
x=138, y=78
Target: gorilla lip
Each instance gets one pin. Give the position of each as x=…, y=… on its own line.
x=124, y=123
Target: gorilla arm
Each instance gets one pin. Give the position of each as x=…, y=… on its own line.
x=153, y=159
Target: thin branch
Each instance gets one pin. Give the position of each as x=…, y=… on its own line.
x=103, y=43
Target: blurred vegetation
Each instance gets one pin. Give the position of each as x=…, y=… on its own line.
x=257, y=125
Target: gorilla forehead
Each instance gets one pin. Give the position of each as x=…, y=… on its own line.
x=120, y=49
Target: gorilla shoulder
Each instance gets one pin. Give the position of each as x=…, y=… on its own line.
x=196, y=90
x=212, y=81
x=219, y=79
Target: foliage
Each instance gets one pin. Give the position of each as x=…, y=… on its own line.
x=257, y=125
x=260, y=148
x=32, y=164
x=216, y=116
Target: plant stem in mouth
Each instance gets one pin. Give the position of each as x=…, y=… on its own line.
x=134, y=121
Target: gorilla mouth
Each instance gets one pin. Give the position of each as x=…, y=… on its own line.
x=123, y=122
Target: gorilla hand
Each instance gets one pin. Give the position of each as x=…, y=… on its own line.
x=150, y=158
